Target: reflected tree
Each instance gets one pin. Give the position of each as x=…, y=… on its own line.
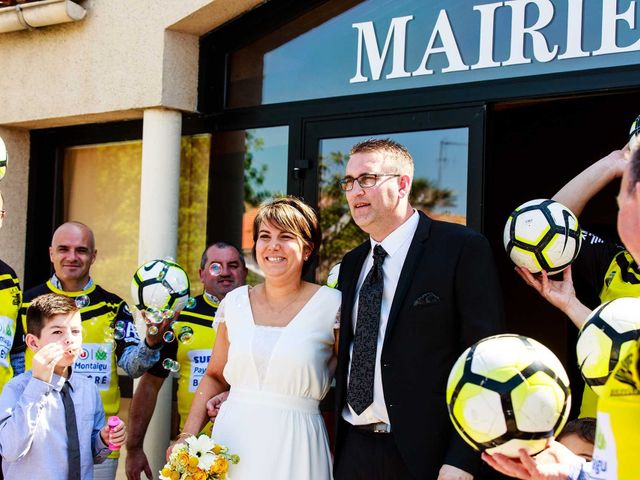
x=254, y=175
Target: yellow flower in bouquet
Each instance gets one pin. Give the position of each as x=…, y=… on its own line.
x=200, y=458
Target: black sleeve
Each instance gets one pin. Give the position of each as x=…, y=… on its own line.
x=18, y=339
x=130, y=336
x=169, y=350
x=591, y=266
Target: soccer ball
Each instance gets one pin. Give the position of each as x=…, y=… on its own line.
x=4, y=159
x=633, y=134
x=542, y=235
x=160, y=285
x=332, y=278
x=605, y=338
x=508, y=392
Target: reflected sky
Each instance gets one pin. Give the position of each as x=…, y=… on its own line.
x=272, y=154
x=320, y=62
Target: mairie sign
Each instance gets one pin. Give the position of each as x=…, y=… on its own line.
x=516, y=32
x=383, y=45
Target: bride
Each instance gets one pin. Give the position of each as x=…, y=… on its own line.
x=275, y=351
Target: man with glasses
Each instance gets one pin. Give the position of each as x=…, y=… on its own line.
x=222, y=269
x=414, y=297
x=10, y=300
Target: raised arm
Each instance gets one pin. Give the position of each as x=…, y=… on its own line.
x=582, y=188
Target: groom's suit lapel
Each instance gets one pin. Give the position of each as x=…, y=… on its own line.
x=414, y=255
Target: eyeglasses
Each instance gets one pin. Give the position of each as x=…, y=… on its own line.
x=366, y=180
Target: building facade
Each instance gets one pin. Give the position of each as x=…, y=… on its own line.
x=163, y=124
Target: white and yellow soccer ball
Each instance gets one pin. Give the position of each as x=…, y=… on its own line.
x=332, y=278
x=4, y=159
x=542, y=235
x=606, y=337
x=160, y=285
x=508, y=392
x=634, y=135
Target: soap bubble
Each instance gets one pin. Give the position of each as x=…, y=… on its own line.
x=118, y=334
x=170, y=365
x=191, y=303
x=168, y=314
x=168, y=336
x=82, y=301
x=215, y=269
x=153, y=316
x=152, y=329
x=185, y=336
x=120, y=325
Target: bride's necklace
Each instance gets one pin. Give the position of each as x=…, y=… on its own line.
x=279, y=311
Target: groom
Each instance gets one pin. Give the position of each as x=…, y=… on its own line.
x=413, y=298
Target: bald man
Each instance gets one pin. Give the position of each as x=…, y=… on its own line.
x=72, y=253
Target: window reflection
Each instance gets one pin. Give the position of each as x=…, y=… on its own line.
x=249, y=167
x=102, y=190
x=439, y=186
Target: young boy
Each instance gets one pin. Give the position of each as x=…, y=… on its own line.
x=51, y=421
x=579, y=436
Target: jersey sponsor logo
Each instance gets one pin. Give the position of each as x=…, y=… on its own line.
x=95, y=362
x=199, y=359
x=6, y=339
x=130, y=332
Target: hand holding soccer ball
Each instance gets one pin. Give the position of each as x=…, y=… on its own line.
x=542, y=235
x=160, y=289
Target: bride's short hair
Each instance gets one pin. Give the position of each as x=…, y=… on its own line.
x=291, y=214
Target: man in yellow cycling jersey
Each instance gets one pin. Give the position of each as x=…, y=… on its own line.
x=604, y=269
x=618, y=417
x=222, y=268
x=10, y=300
x=104, y=347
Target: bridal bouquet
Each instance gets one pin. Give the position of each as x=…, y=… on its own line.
x=199, y=459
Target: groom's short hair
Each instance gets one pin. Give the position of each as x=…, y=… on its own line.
x=396, y=154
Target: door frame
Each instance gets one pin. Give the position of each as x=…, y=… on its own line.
x=473, y=118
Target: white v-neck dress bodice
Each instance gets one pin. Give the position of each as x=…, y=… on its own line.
x=278, y=375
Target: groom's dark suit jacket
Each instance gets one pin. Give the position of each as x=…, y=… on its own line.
x=448, y=297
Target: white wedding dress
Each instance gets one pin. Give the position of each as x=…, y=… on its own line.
x=277, y=375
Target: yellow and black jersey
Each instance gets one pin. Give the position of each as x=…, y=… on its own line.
x=193, y=354
x=615, y=456
x=10, y=300
x=603, y=271
x=101, y=347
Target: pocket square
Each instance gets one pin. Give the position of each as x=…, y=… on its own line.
x=428, y=298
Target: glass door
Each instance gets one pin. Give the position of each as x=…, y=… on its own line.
x=447, y=151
